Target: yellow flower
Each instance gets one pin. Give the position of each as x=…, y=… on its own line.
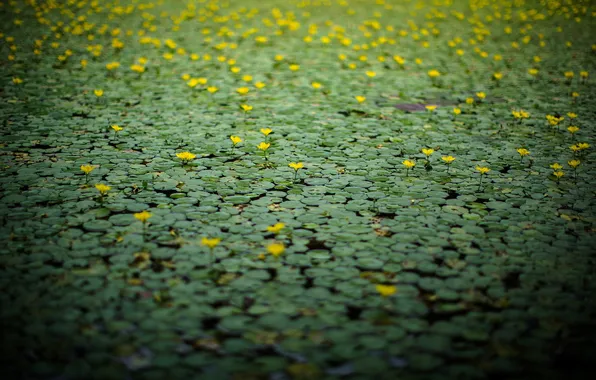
x=497, y=76
x=185, y=156
x=556, y=166
x=572, y=129
x=569, y=74
x=294, y=67
x=279, y=57
x=276, y=249
x=482, y=169
x=386, y=290
x=137, y=68
x=247, y=78
x=246, y=107
x=266, y=131
x=583, y=74
x=17, y=80
x=87, y=168
x=316, y=85
x=583, y=146
x=242, y=90
x=571, y=115
x=211, y=243
x=192, y=83
x=469, y=100
x=575, y=148
x=276, y=228
x=143, y=216
x=83, y=63
x=481, y=95
x=575, y=94
x=261, y=39
x=260, y=85
x=558, y=174
x=533, y=72
x=112, y=65
x=103, y=189
x=360, y=99
x=574, y=163
x=428, y=151
x=117, y=128
x=409, y=164
x=431, y=108
x=263, y=146
x=235, y=140
x=523, y=152
x=371, y=74
x=456, y=111
x=212, y=89
x=448, y=159
x=296, y=165
x=98, y=93
x=433, y=73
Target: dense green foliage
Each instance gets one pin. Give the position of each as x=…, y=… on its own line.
x=376, y=270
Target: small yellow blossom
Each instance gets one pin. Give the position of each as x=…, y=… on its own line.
x=186, y=156
x=116, y=128
x=431, y=108
x=210, y=243
x=235, y=140
x=263, y=146
x=371, y=74
x=276, y=228
x=409, y=164
x=456, y=111
x=481, y=95
x=246, y=107
x=556, y=166
x=523, y=152
x=138, y=68
x=260, y=85
x=583, y=146
x=574, y=163
x=87, y=169
x=98, y=93
x=360, y=99
x=242, y=90
x=572, y=129
x=448, y=159
x=316, y=85
x=386, y=290
x=276, y=249
x=17, y=80
x=433, y=73
x=558, y=174
x=296, y=165
x=294, y=67
x=112, y=65
x=212, y=89
x=143, y=216
x=103, y=189
x=482, y=169
x=266, y=131
x=427, y=151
